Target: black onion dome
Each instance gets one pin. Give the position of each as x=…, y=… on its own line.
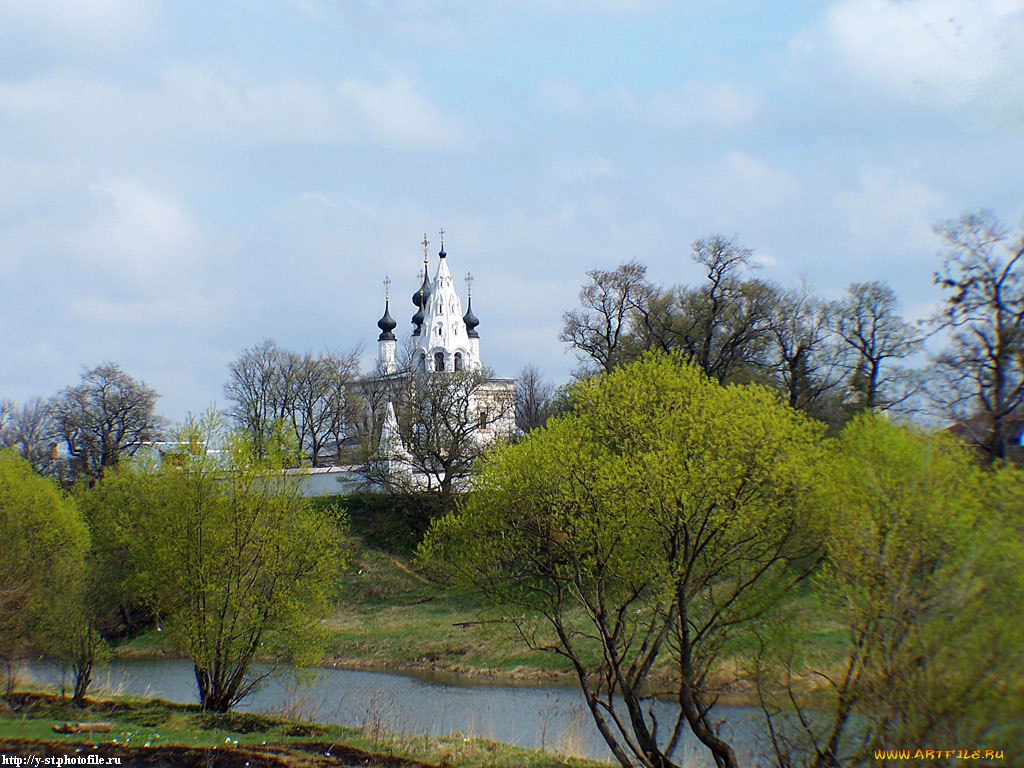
x=417, y=320
x=423, y=294
x=386, y=324
x=471, y=320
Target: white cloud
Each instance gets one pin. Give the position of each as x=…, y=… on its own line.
x=937, y=52
x=138, y=234
x=399, y=112
x=701, y=102
x=695, y=103
x=188, y=102
x=886, y=220
x=759, y=183
x=95, y=25
x=585, y=169
x=738, y=191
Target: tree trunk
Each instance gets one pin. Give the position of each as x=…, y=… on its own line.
x=83, y=678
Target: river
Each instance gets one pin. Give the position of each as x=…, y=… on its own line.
x=551, y=717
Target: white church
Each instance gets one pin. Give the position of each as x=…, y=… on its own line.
x=443, y=337
x=443, y=342
x=440, y=352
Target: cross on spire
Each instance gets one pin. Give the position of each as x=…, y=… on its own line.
x=425, y=244
x=469, y=284
x=442, y=239
x=387, y=288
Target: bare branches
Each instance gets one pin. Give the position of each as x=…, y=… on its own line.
x=532, y=399
x=108, y=416
x=984, y=274
x=597, y=328
x=869, y=325
x=311, y=394
x=31, y=430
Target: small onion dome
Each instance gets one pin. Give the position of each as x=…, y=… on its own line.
x=441, y=253
x=471, y=320
x=386, y=324
x=417, y=320
x=422, y=297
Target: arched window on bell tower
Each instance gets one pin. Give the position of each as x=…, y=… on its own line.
x=439, y=361
x=458, y=361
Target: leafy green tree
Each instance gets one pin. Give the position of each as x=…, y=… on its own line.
x=113, y=510
x=41, y=570
x=657, y=521
x=922, y=572
x=67, y=627
x=236, y=563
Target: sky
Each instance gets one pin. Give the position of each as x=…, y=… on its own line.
x=181, y=180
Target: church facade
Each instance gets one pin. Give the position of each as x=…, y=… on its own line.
x=438, y=406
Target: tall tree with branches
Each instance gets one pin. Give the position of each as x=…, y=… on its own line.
x=432, y=428
x=110, y=415
x=598, y=328
x=228, y=553
x=983, y=272
x=533, y=396
x=658, y=520
x=30, y=429
x=868, y=323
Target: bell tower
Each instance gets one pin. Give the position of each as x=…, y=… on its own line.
x=447, y=339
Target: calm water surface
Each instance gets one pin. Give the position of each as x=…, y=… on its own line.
x=552, y=717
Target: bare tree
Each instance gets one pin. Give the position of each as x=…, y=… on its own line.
x=807, y=359
x=724, y=322
x=442, y=422
x=984, y=272
x=309, y=394
x=30, y=429
x=876, y=336
x=323, y=411
x=722, y=325
x=254, y=383
x=108, y=416
x=597, y=329
x=532, y=399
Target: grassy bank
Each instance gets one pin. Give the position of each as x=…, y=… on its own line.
x=388, y=615
x=153, y=732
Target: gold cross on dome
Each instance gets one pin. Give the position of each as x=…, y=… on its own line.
x=442, y=239
x=425, y=244
x=469, y=284
x=387, y=287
